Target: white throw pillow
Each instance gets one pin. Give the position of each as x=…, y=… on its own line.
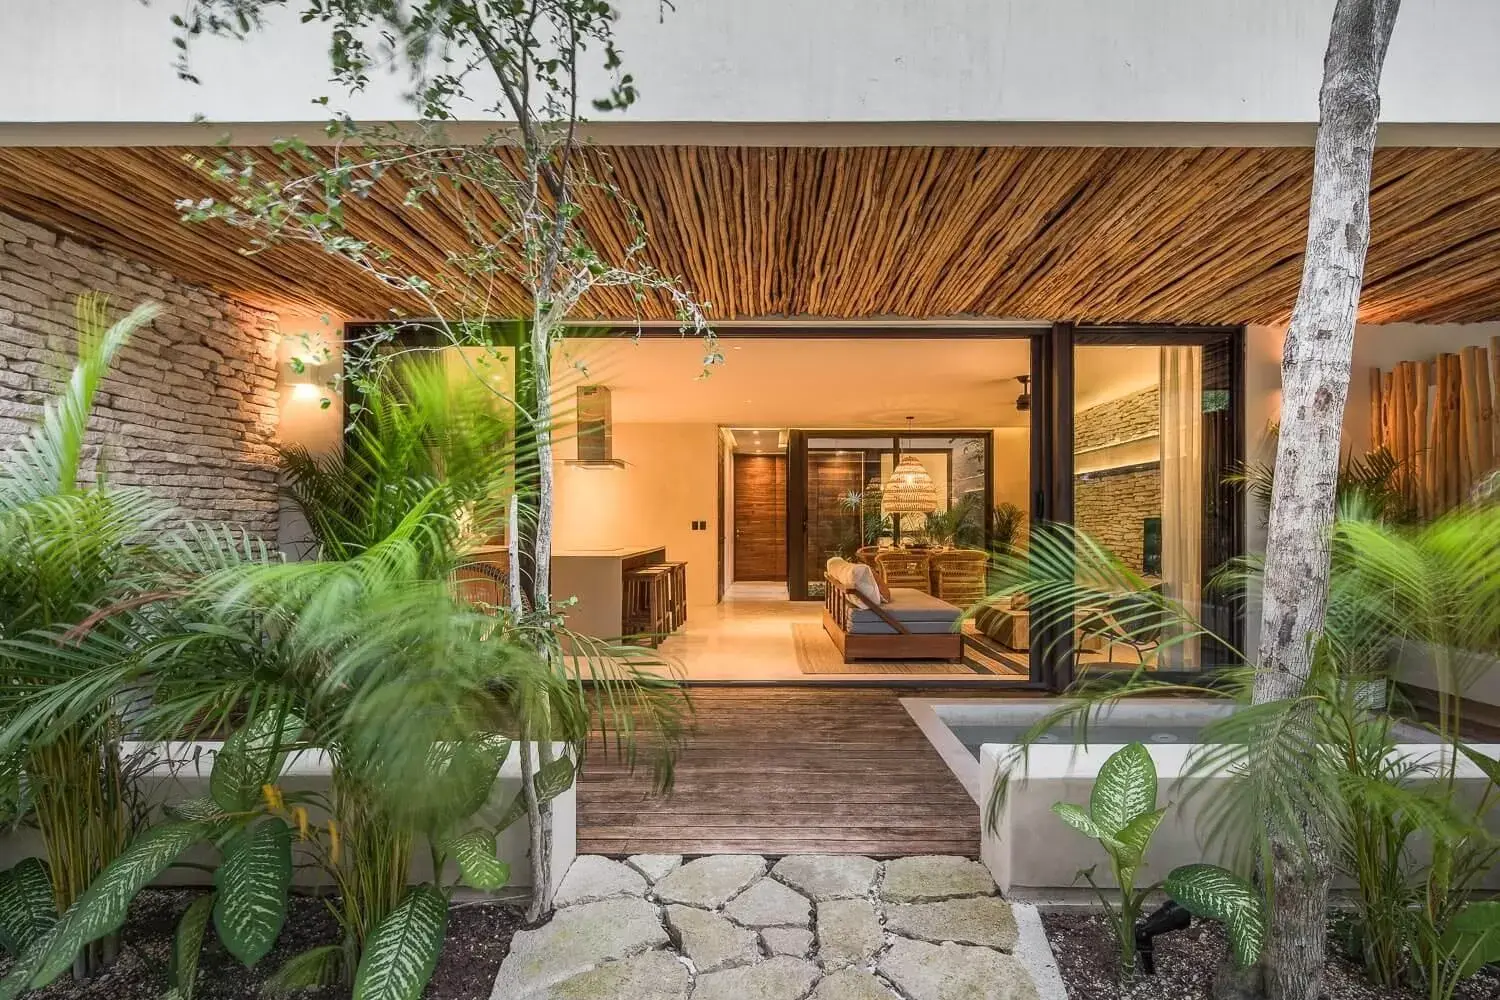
x=862, y=580
x=838, y=570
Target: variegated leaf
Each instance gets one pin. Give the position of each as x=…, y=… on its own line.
x=201, y=809
x=1136, y=837
x=464, y=774
x=1217, y=894
x=553, y=778
x=1077, y=819
x=101, y=909
x=187, y=947
x=474, y=853
x=513, y=812
x=251, y=758
x=252, y=884
x=402, y=951
x=314, y=967
x=1125, y=788
x=27, y=909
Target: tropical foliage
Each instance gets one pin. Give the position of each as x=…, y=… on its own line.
x=1123, y=817
x=1404, y=804
x=525, y=198
x=367, y=664
x=70, y=541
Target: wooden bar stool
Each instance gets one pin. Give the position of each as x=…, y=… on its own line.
x=648, y=597
x=678, y=575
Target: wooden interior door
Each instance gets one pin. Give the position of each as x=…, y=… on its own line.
x=760, y=517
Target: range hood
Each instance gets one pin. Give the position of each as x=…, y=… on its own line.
x=595, y=430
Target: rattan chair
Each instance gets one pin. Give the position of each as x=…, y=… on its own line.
x=901, y=568
x=867, y=554
x=958, y=576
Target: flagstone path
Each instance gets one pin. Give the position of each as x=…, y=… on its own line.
x=808, y=927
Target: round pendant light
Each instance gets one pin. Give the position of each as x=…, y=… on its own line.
x=910, y=489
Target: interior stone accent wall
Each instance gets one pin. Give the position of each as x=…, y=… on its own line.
x=1112, y=507
x=190, y=410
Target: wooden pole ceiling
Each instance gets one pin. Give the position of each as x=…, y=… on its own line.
x=1087, y=234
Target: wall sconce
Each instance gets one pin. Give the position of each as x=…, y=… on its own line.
x=308, y=360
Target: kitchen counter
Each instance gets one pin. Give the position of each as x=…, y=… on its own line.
x=596, y=577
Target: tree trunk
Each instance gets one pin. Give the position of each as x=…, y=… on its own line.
x=540, y=813
x=1315, y=385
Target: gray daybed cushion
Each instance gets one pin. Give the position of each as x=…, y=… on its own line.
x=921, y=613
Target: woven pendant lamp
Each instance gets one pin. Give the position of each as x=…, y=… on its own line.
x=910, y=490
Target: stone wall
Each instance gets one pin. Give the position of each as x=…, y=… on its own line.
x=1112, y=506
x=190, y=410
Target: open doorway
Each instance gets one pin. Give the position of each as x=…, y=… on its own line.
x=755, y=553
x=713, y=470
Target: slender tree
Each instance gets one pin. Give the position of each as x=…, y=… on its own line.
x=1315, y=385
x=529, y=198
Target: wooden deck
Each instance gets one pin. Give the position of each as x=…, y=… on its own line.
x=786, y=770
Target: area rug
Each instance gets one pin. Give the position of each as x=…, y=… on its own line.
x=816, y=654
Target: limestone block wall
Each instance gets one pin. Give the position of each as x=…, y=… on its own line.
x=191, y=408
x=1112, y=504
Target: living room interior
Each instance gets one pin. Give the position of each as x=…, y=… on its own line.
x=825, y=505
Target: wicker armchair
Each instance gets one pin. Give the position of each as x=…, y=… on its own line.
x=905, y=569
x=960, y=576
x=867, y=554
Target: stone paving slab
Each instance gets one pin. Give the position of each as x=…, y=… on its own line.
x=930, y=879
x=654, y=975
x=852, y=984
x=593, y=878
x=774, y=979
x=795, y=942
x=578, y=939
x=709, y=883
x=768, y=903
x=813, y=928
x=655, y=866
x=982, y=920
x=821, y=877
x=710, y=941
x=848, y=932
x=923, y=971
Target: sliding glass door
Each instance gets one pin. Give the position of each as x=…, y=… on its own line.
x=839, y=505
x=1155, y=435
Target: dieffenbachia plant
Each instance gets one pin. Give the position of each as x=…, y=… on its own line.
x=253, y=824
x=1123, y=816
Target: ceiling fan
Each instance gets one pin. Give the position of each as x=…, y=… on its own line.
x=1023, y=401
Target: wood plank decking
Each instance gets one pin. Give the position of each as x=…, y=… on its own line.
x=788, y=770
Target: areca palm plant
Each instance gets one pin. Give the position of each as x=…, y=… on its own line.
x=70, y=542
x=438, y=455
x=1329, y=760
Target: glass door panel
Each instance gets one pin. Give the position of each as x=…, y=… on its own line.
x=1152, y=444
x=843, y=513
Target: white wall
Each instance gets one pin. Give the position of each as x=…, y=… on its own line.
x=670, y=479
x=809, y=61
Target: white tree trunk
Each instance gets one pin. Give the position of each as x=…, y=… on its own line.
x=540, y=813
x=1315, y=386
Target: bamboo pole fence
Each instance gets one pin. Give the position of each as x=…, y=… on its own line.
x=1439, y=421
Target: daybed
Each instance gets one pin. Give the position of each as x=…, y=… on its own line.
x=865, y=624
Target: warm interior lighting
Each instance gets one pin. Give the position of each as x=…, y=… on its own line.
x=910, y=490
x=305, y=392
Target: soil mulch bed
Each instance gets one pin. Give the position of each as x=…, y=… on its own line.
x=478, y=938
x=1186, y=962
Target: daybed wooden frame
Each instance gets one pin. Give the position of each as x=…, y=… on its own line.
x=840, y=602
